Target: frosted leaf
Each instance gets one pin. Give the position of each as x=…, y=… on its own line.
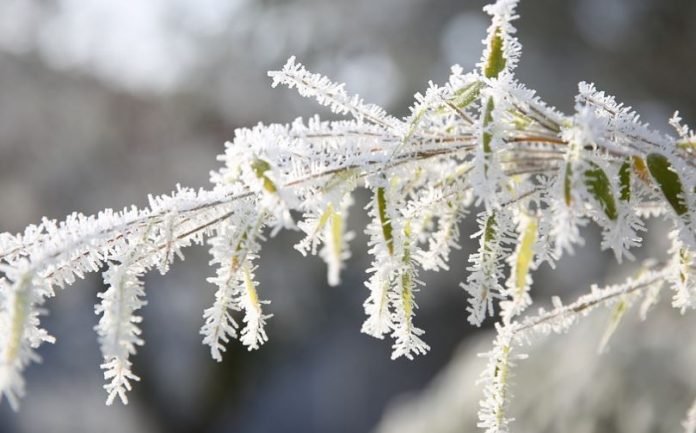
x=118, y=328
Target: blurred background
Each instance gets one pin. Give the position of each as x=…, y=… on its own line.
x=105, y=101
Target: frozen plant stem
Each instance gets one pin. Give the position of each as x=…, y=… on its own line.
x=481, y=142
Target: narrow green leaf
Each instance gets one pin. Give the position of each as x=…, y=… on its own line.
x=406, y=276
x=487, y=120
x=324, y=218
x=684, y=265
x=337, y=233
x=599, y=186
x=18, y=313
x=625, y=181
x=614, y=320
x=467, y=94
x=568, y=184
x=407, y=295
x=495, y=62
x=234, y=261
x=525, y=254
x=407, y=239
x=668, y=180
x=387, y=230
x=489, y=231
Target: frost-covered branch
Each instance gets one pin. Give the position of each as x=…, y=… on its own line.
x=480, y=143
x=510, y=336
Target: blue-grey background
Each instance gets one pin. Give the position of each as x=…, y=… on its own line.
x=104, y=101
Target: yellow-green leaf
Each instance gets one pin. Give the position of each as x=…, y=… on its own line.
x=568, y=184
x=641, y=169
x=616, y=316
x=324, y=217
x=467, y=94
x=260, y=167
x=337, y=233
x=525, y=253
x=684, y=265
x=407, y=295
x=495, y=62
x=686, y=145
x=250, y=285
x=407, y=240
x=387, y=230
x=18, y=312
x=487, y=120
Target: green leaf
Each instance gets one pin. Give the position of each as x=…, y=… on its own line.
x=324, y=218
x=407, y=248
x=407, y=294
x=641, y=169
x=625, y=181
x=669, y=182
x=467, y=94
x=489, y=232
x=387, y=230
x=495, y=62
x=260, y=167
x=525, y=254
x=599, y=186
x=338, y=179
x=686, y=145
x=336, y=233
x=616, y=315
x=487, y=120
x=684, y=265
x=568, y=184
